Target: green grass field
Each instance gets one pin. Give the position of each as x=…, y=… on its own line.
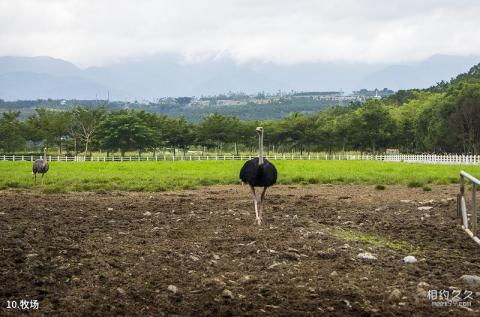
x=162, y=176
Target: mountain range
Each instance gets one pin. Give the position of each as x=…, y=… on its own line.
x=156, y=76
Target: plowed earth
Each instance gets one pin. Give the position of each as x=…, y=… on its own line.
x=199, y=253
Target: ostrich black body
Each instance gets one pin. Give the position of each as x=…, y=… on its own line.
x=40, y=166
x=258, y=175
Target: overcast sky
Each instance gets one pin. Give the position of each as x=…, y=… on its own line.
x=98, y=32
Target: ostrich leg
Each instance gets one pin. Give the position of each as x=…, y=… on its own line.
x=42, y=178
x=255, y=203
x=262, y=198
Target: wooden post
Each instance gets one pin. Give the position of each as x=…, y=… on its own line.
x=460, y=196
x=474, y=209
x=463, y=205
x=459, y=209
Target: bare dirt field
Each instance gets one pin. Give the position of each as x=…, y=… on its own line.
x=198, y=252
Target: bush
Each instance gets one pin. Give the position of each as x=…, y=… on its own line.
x=380, y=187
x=415, y=184
x=427, y=189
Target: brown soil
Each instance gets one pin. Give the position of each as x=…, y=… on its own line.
x=118, y=253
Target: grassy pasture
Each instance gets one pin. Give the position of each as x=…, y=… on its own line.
x=162, y=176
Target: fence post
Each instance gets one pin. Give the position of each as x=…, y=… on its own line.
x=474, y=209
x=461, y=195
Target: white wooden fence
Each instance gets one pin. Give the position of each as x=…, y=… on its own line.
x=468, y=221
x=408, y=158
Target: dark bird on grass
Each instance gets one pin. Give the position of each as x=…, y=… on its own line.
x=40, y=166
x=259, y=172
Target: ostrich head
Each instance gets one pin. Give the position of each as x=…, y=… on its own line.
x=259, y=130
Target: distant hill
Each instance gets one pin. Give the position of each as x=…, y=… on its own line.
x=157, y=76
x=45, y=77
x=39, y=64
x=31, y=86
x=473, y=75
x=421, y=74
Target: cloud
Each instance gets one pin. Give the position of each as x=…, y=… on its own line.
x=90, y=32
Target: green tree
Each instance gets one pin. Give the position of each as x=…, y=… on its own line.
x=11, y=132
x=463, y=104
x=373, y=126
x=180, y=134
x=125, y=130
x=53, y=126
x=216, y=130
x=85, y=123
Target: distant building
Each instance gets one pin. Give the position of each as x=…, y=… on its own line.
x=376, y=93
x=311, y=94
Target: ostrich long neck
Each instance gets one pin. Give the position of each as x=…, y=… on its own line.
x=260, y=149
x=44, y=155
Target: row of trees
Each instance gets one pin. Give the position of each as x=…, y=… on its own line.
x=413, y=121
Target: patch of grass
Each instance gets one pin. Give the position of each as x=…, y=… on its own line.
x=163, y=176
x=380, y=187
x=377, y=241
x=54, y=189
x=15, y=185
x=414, y=184
x=427, y=189
x=188, y=186
x=298, y=179
x=12, y=184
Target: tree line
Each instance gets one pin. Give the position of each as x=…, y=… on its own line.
x=274, y=108
x=444, y=118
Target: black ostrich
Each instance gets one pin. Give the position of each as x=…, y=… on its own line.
x=259, y=172
x=40, y=166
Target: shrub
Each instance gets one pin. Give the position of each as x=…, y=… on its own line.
x=415, y=184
